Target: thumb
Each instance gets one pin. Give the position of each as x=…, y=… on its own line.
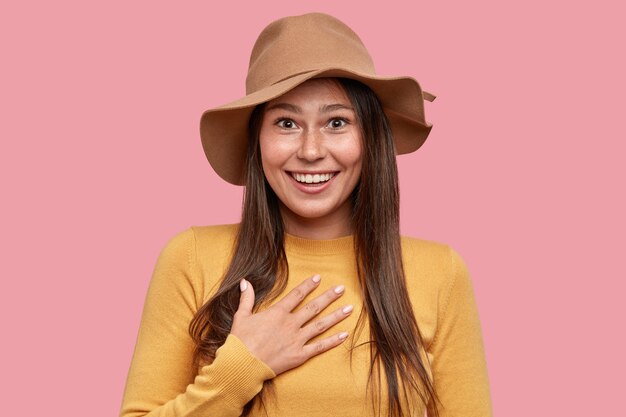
x=246, y=300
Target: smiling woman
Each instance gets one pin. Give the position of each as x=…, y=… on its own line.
x=244, y=319
x=311, y=147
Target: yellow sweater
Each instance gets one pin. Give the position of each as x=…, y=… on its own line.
x=162, y=381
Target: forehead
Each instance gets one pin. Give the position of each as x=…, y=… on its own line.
x=318, y=89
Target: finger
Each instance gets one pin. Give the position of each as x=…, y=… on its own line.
x=319, y=326
x=313, y=307
x=246, y=299
x=295, y=296
x=323, y=345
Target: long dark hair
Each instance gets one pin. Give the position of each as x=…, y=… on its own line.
x=396, y=341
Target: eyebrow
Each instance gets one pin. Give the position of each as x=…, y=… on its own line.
x=332, y=107
x=325, y=108
x=285, y=106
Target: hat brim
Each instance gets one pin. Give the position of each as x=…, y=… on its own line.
x=224, y=129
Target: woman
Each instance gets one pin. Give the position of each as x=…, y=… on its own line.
x=313, y=305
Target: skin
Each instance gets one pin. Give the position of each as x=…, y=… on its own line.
x=278, y=335
x=310, y=129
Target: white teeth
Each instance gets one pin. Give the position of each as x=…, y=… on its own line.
x=312, y=178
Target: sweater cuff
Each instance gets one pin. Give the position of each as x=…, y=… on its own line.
x=240, y=372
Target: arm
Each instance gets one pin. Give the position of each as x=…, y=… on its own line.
x=162, y=380
x=459, y=366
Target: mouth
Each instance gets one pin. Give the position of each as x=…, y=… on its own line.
x=316, y=178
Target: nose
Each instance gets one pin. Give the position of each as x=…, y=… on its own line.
x=311, y=146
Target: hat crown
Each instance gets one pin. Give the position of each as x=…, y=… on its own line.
x=299, y=44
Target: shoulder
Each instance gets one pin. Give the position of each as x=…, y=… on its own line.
x=194, y=259
x=426, y=249
x=201, y=246
x=223, y=234
x=197, y=239
x=213, y=244
x=430, y=266
x=434, y=271
x=429, y=254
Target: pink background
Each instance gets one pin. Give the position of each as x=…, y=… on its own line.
x=523, y=174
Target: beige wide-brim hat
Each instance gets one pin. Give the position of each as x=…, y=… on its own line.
x=290, y=51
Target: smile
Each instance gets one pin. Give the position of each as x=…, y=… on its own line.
x=312, y=178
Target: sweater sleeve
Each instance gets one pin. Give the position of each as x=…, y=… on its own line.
x=162, y=381
x=459, y=366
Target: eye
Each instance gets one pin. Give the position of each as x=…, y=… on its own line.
x=286, y=123
x=337, y=123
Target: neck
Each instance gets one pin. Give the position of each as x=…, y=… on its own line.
x=333, y=226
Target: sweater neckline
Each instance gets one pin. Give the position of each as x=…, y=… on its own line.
x=298, y=244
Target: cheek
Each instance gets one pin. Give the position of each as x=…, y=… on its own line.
x=274, y=156
x=263, y=148
x=268, y=153
x=275, y=150
x=352, y=156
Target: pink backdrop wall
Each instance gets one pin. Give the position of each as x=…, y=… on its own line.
x=101, y=164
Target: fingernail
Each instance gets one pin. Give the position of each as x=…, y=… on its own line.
x=347, y=309
x=243, y=285
x=343, y=335
x=339, y=289
x=316, y=278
